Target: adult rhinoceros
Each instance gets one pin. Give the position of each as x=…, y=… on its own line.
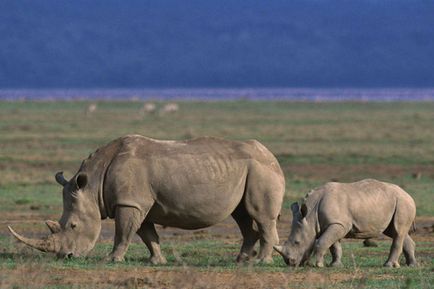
x=189, y=184
x=360, y=210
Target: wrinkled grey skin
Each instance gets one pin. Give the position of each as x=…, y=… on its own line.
x=360, y=210
x=190, y=184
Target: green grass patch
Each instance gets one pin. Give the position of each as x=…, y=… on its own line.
x=314, y=143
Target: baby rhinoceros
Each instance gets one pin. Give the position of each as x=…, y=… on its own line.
x=360, y=210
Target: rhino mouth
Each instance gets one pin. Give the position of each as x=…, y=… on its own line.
x=69, y=255
x=286, y=258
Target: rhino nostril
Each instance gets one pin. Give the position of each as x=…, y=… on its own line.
x=69, y=255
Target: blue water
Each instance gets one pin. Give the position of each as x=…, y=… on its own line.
x=294, y=94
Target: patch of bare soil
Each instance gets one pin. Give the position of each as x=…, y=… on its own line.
x=425, y=224
x=33, y=276
x=357, y=171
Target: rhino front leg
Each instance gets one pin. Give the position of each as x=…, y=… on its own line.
x=150, y=237
x=127, y=222
x=336, y=251
x=332, y=235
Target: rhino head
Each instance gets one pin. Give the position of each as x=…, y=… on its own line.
x=299, y=246
x=78, y=229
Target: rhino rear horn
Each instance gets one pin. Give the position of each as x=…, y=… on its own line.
x=44, y=245
x=53, y=226
x=61, y=179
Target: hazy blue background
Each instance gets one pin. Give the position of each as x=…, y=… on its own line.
x=176, y=43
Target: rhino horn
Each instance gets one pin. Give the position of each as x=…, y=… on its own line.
x=61, y=179
x=53, y=226
x=44, y=245
x=279, y=249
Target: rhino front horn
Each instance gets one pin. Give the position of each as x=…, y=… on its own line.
x=44, y=245
x=61, y=179
x=279, y=249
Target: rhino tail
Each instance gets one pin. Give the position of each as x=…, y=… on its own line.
x=255, y=226
x=413, y=228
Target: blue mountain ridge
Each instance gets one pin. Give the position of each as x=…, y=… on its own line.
x=169, y=43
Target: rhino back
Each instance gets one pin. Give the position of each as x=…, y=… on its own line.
x=194, y=183
x=367, y=207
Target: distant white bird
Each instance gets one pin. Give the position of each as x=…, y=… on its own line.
x=171, y=107
x=91, y=109
x=149, y=107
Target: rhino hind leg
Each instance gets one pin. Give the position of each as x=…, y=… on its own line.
x=396, y=249
x=149, y=236
x=268, y=238
x=127, y=222
x=250, y=235
x=398, y=230
x=263, y=201
x=369, y=243
x=409, y=248
x=395, y=252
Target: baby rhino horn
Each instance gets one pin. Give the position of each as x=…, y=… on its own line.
x=279, y=249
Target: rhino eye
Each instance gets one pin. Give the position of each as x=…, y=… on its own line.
x=73, y=225
x=297, y=242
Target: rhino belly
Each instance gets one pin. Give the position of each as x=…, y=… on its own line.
x=197, y=192
x=371, y=223
x=183, y=220
x=197, y=208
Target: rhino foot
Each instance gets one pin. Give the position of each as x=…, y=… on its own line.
x=111, y=258
x=319, y=264
x=157, y=260
x=336, y=264
x=265, y=260
x=244, y=257
x=369, y=243
x=391, y=264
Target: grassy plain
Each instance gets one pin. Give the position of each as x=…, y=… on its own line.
x=314, y=142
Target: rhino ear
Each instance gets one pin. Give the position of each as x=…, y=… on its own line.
x=61, y=179
x=81, y=180
x=295, y=208
x=303, y=210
